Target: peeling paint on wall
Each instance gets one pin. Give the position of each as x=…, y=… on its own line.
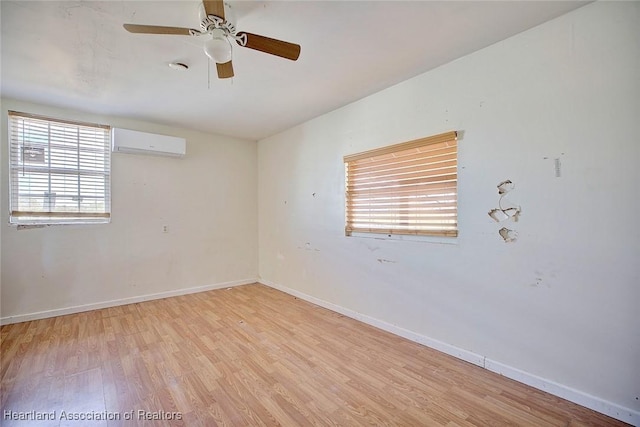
x=498, y=215
x=506, y=210
x=508, y=235
x=505, y=186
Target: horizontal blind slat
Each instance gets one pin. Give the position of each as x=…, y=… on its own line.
x=403, y=182
x=35, y=118
x=405, y=159
x=398, y=212
x=422, y=142
x=397, y=175
x=443, y=161
x=411, y=191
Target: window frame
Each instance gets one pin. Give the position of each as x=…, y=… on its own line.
x=425, y=173
x=63, y=157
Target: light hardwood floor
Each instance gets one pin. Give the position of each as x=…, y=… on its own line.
x=251, y=356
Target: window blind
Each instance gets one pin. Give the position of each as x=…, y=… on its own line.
x=60, y=170
x=407, y=188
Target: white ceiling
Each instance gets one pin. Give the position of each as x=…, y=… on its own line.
x=75, y=54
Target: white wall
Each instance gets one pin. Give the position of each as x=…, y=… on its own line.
x=561, y=303
x=208, y=200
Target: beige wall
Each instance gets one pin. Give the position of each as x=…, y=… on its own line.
x=208, y=201
x=558, y=307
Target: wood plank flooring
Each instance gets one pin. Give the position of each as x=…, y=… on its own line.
x=250, y=356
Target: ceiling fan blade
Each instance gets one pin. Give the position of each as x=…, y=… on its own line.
x=272, y=46
x=224, y=70
x=156, y=29
x=214, y=7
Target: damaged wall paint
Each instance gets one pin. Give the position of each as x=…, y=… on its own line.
x=498, y=215
x=557, y=165
x=505, y=186
x=508, y=235
x=506, y=210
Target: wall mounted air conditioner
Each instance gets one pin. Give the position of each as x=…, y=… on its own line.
x=135, y=142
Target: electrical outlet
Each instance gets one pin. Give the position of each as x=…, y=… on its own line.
x=165, y=228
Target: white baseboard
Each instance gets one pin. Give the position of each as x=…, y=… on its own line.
x=124, y=301
x=572, y=395
x=583, y=399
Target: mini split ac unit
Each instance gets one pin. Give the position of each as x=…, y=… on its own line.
x=135, y=142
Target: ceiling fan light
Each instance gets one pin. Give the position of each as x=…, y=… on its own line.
x=218, y=49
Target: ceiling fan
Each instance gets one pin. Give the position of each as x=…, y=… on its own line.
x=222, y=31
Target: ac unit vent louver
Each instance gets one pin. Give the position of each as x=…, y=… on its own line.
x=136, y=142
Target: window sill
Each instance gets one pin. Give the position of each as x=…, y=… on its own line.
x=408, y=238
x=32, y=225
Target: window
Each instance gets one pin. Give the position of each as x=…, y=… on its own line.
x=60, y=171
x=407, y=188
